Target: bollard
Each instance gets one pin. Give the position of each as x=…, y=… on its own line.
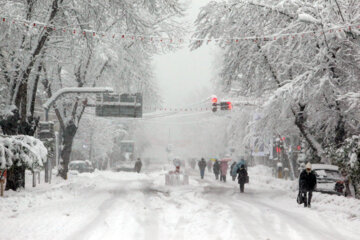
x=38, y=176
x=34, y=179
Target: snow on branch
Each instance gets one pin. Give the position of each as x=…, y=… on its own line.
x=303, y=17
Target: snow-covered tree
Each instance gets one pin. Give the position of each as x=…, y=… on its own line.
x=295, y=58
x=22, y=151
x=348, y=159
x=49, y=47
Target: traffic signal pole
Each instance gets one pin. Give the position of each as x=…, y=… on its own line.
x=65, y=91
x=47, y=105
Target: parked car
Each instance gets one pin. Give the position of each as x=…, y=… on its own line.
x=80, y=166
x=329, y=179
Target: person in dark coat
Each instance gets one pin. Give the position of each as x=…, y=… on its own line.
x=202, y=166
x=138, y=165
x=307, y=184
x=216, y=169
x=231, y=171
x=242, y=177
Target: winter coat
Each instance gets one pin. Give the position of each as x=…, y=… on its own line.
x=224, y=167
x=242, y=175
x=138, y=166
x=216, y=167
x=202, y=164
x=237, y=167
x=307, y=181
x=232, y=168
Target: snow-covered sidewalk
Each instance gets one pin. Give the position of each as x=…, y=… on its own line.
x=107, y=205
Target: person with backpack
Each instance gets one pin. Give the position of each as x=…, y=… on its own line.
x=216, y=169
x=202, y=166
x=237, y=167
x=307, y=184
x=242, y=177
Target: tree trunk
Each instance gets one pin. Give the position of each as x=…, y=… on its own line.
x=68, y=137
x=15, y=178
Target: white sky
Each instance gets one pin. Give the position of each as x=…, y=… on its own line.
x=183, y=73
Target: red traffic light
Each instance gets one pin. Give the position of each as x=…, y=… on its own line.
x=229, y=105
x=225, y=106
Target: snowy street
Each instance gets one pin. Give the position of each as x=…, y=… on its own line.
x=111, y=112
x=107, y=205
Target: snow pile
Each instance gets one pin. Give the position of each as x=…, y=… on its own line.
x=262, y=175
x=337, y=207
x=22, y=150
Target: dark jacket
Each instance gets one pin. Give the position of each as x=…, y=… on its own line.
x=242, y=175
x=138, y=165
x=202, y=164
x=307, y=181
x=216, y=167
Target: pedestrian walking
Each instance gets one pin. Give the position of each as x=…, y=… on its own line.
x=209, y=165
x=202, y=166
x=346, y=180
x=242, y=178
x=192, y=163
x=237, y=166
x=216, y=169
x=307, y=183
x=223, y=170
x=138, y=165
x=231, y=171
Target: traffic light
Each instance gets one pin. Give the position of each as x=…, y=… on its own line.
x=225, y=106
x=214, y=99
x=214, y=107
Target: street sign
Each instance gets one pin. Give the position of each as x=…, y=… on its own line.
x=119, y=105
x=46, y=130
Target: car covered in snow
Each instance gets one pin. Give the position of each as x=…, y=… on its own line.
x=327, y=176
x=80, y=166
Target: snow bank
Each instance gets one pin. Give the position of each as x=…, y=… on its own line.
x=30, y=151
x=262, y=176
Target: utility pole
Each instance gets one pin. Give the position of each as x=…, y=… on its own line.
x=91, y=144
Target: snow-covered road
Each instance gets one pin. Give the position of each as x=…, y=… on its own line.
x=107, y=205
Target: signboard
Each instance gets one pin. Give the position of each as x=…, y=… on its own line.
x=119, y=105
x=46, y=130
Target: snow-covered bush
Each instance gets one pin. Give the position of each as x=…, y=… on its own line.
x=348, y=159
x=22, y=150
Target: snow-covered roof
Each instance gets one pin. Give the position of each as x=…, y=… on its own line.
x=325, y=167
